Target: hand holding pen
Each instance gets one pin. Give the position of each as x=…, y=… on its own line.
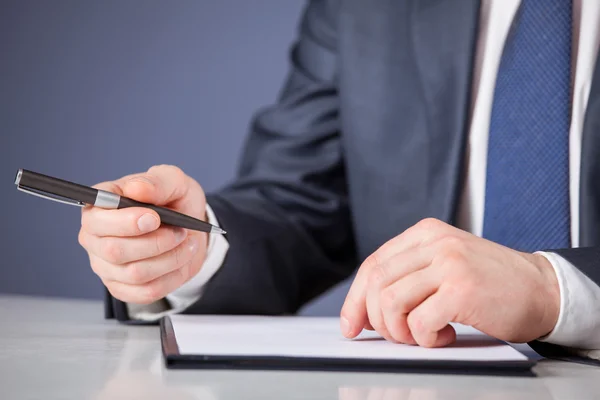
x=139, y=250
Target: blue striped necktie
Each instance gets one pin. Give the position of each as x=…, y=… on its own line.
x=527, y=176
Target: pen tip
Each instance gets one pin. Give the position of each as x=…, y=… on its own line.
x=216, y=229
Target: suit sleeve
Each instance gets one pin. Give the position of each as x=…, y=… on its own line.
x=286, y=214
x=587, y=261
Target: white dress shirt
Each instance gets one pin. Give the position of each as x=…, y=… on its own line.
x=578, y=325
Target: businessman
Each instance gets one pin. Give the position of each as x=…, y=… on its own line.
x=448, y=149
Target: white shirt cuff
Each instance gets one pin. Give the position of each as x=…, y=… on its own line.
x=578, y=325
x=191, y=291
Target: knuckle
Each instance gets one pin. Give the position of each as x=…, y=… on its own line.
x=184, y=273
x=117, y=292
x=171, y=170
x=368, y=263
x=455, y=260
x=114, y=292
x=429, y=224
x=86, y=220
x=461, y=293
x=165, y=241
x=452, y=244
x=178, y=173
x=402, y=307
x=377, y=275
x=96, y=269
x=112, y=251
x=82, y=239
x=140, y=297
x=194, y=267
x=177, y=255
x=371, y=261
x=182, y=254
x=175, y=171
x=388, y=298
x=152, y=292
x=452, y=291
x=400, y=334
x=401, y=304
x=159, y=244
x=468, y=288
x=413, y=321
x=398, y=328
x=377, y=324
x=157, y=167
x=136, y=274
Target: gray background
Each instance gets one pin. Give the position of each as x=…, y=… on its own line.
x=93, y=90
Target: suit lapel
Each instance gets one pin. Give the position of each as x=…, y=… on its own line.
x=589, y=213
x=444, y=39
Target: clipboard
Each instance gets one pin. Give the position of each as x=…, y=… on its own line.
x=315, y=344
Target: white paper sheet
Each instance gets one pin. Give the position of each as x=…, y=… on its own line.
x=317, y=337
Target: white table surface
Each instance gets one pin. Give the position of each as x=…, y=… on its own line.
x=64, y=349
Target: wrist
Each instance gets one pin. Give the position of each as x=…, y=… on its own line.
x=550, y=289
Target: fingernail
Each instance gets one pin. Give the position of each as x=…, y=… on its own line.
x=345, y=326
x=180, y=234
x=147, y=223
x=193, y=245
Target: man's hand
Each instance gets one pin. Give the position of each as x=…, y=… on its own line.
x=413, y=286
x=138, y=260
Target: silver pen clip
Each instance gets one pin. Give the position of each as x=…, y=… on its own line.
x=49, y=197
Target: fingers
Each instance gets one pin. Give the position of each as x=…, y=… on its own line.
x=151, y=291
x=360, y=308
x=374, y=312
x=169, y=186
x=353, y=316
x=400, y=298
x=401, y=265
x=416, y=235
x=429, y=322
x=407, y=293
x=147, y=270
x=138, y=259
x=397, y=326
x=126, y=222
x=395, y=284
x=161, y=185
x=123, y=250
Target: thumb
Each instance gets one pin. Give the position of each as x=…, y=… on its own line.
x=161, y=185
x=169, y=186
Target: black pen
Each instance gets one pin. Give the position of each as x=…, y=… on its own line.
x=70, y=193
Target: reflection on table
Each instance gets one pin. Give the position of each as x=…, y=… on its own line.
x=58, y=349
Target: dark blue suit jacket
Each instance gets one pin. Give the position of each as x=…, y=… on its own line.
x=366, y=139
